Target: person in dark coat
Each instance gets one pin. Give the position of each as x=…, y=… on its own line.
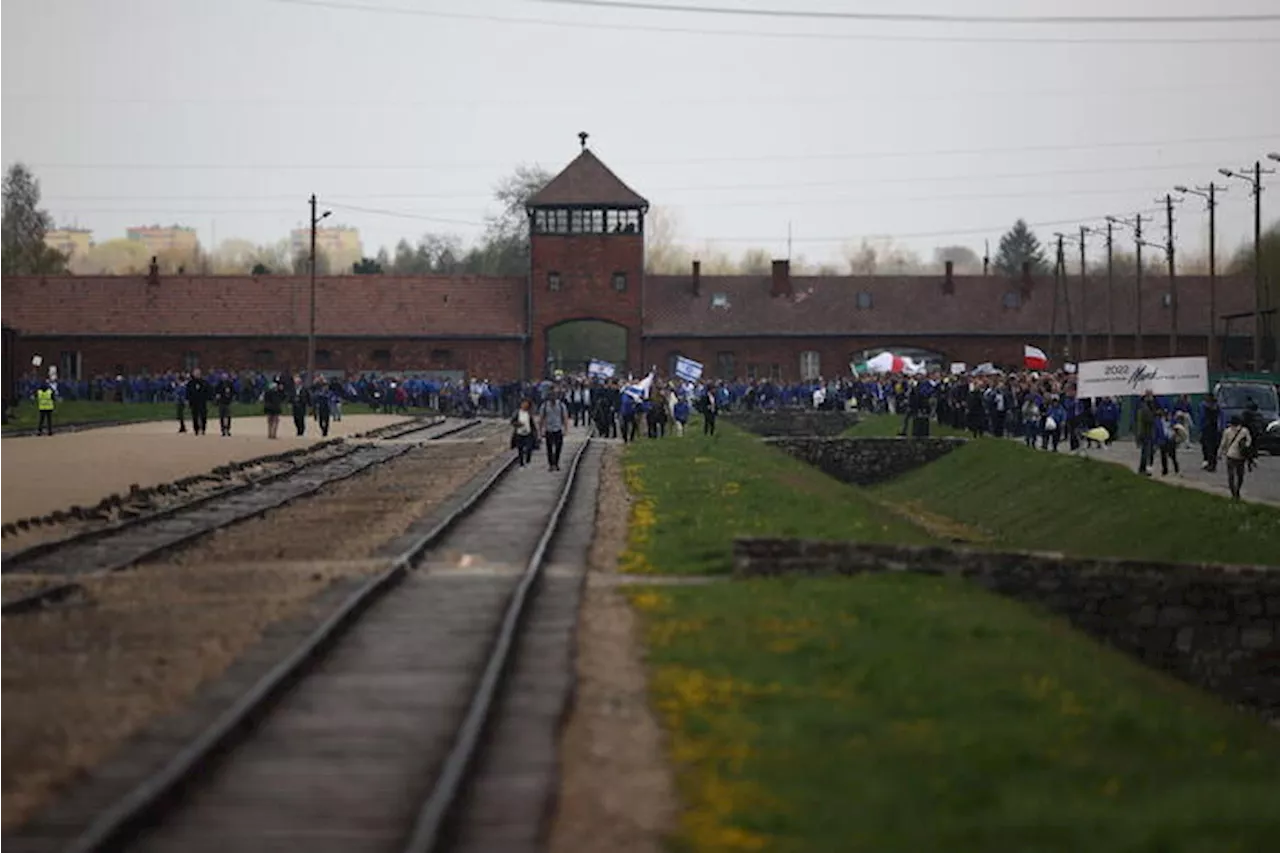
x=224, y=394
x=198, y=393
x=301, y=403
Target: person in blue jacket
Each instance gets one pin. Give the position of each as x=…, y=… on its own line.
x=681, y=414
x=1055, y=422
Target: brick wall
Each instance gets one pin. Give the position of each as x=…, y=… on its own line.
x=1215, y=626
x=799, y=422
x=497, y=359
x=864, y=461
x=586, y=264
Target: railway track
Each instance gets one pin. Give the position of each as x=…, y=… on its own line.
x=133, y=540
x=372, y=734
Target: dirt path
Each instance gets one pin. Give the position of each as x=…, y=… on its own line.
x=82, y=678
x=41, y=475
x=617, y=792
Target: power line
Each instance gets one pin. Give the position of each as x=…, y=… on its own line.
x=907, y=179
x=920, y=234
x=402, y=214
x=820, y=36
x=696, y=160
x=918, y=18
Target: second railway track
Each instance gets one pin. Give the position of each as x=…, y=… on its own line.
x=375, y=733
x=125, y=544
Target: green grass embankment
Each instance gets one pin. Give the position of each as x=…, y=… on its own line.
x=1023, y=499
x=906, y=713
x=85, y=412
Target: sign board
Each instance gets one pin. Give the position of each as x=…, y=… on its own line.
x=958, y=368
x=688, y=369
x=601, y=369
x=1126, y=377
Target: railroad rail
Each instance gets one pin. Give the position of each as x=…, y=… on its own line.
x=133, y=540
x=270, y=769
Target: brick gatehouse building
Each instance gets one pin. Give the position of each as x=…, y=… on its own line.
x=587, y=295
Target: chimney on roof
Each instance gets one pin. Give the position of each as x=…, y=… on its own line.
x=948, y=281
x=781, y=285
x=582, y=139
x=1026, y=279
x=696, y=282
x=153, y=273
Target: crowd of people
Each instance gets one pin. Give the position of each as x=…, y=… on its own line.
x=1039, y=408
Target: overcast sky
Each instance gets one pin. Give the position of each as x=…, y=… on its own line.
x=226, y=115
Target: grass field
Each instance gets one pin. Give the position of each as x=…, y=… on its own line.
x=878, y=426
x=91, y=412
x=910, y=713
x=1018, y=498
x=698, y=494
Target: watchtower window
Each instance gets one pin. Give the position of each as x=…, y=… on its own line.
x=620, y=281
x=590, y=220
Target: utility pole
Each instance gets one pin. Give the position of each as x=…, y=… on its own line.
x=311, y=328
x=1173, y=280
x=1084, y=299
x=1261, y=319
x=986, y=257
x=1111, y=292
x=1053, y=316
x=1213, y=270
x=1137, y=289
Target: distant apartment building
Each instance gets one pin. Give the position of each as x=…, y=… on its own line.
x=169, y=240
x=340, y=245
x=72, y=242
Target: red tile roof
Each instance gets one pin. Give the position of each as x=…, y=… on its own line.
x=268, y=305
x=917, y=305
x=587, y=181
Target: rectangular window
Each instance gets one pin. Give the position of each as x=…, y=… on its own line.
x=562, y=221
x=265, y=358
x=381, y=357
x=442, y=357
x=752, y=371
x=810, y=365
x=190, y=361
x=540, y=221
x=620, y=281
x=613, y=221
x=1166, y=299
x=553, y=281
x=577, y=220
x=69, y=366
x=864, y=300
x=719, y=300
x=726, y=365
x=597, y=221
x=1012, y=299
x=323, y=358
x=775, y=372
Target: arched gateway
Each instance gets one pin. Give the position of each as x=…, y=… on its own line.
x=571, y=345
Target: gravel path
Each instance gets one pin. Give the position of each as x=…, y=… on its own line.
x=41, y=475
x=617, y=792
x=81, y=679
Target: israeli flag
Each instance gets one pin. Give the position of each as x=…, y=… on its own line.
x=639, y=390
x=601, y=369
x=688, y=369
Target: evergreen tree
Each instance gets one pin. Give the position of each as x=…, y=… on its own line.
x=1020, y=246
x=22, y=241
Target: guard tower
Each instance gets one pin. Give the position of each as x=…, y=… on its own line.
x=586, y=271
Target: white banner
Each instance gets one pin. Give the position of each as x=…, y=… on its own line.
x=958, y=368
x=1126, y=377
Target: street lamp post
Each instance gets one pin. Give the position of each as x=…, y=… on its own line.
x=1259, y=291
x=1209, y=194
x=311, y=329
x=1111, y=291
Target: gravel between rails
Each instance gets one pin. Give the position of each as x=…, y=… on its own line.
x=617, y=791
x=82, y=678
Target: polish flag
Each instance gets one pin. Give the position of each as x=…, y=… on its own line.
x=1034, y=358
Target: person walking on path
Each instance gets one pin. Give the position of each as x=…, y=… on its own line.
x=522, y=433
x=710, y=409
x=322, y=405
x=198, y=392
x=272, y=406
x=1166, y=440
x=45, y=406
x=224, y=394
x=680, y=412
x=1237, y=449
x=180, y=397
x=1145, y=434
x=1210, y=432
x=301, y=402
x=553, y=416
